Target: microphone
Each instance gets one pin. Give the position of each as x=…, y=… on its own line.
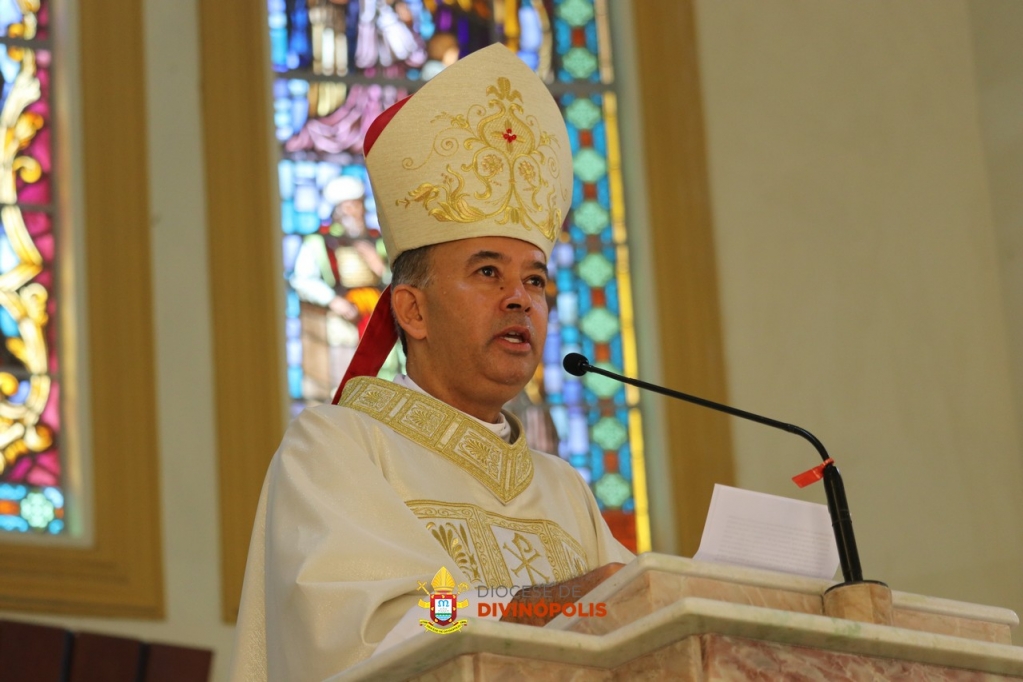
x=838, y=507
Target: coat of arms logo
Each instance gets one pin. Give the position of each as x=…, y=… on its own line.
x=443, y=604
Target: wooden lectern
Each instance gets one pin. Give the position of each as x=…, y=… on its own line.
x=670, y=618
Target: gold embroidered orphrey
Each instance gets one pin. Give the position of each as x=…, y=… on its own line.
x=507, y=177
x=504, y=469
x=469, y=536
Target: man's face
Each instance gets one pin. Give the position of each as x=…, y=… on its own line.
x=485, y=318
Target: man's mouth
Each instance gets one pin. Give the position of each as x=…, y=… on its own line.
x=516, y=335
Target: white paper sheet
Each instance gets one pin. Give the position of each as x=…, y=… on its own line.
x=746, y=528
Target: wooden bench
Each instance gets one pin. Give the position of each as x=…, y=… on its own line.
x=40, y=653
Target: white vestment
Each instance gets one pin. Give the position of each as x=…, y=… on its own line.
x=365, y=500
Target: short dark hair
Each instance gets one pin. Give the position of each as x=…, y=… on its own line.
x=412, y=267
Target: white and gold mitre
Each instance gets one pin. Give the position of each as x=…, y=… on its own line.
x=480, y=151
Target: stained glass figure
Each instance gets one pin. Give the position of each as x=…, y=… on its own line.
x=31, y=474
x=339, y=64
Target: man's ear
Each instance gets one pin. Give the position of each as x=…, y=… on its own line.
x=409, y=305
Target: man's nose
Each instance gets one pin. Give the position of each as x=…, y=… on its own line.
x=517, y=298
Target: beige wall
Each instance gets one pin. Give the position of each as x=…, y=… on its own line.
x=860, y=262
x=997, y=26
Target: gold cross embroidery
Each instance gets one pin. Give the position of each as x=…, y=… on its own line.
x=526, y=555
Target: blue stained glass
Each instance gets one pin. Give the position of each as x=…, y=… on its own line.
x=562, y=37
x=600, y=139
x=8, y=326
x=564, y=280
x=552, y=348
x=569, y=336
x=573, y=141
x=305, y=170
x=604, y=192
x=306, y=223
x=13, y=524
x=19, y=396
x=562, y=256
x=584, y=298
x=291, y=304
x=578, y=433
x=298, y=44
x=531, y=60
x=294, y=351
x=287, y=217
x=559, y=414
x=307, y=199
x=12, y=492
x=625, y=461
x=530, y=33
x=286, y=179
x=568, y=305
x=554, y=383
x=55, y=526
x=611, y=296
x=8, y=259
x=295, y=382
x=596, y=461
x=291, y=245
x=292, y=328
x=325, y=172
x=424, y=20
x=573, y=391
x=616, y=353
x=10, y=13
x=278, y=22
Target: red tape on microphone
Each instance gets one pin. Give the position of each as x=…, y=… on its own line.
x=812, y=475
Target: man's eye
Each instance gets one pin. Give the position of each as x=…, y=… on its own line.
x=538, y=282
x=488, y=271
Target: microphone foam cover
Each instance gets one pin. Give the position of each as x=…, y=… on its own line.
x=576, y=364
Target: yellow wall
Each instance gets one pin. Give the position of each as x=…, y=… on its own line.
x=862, y=157
x=861, y=264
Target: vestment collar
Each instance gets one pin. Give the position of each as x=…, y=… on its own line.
x=505, y=469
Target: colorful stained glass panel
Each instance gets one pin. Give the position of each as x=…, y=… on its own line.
x=31, y=470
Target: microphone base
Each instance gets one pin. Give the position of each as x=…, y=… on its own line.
x=866, y=601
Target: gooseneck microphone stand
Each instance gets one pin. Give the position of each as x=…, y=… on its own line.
x=838, y=507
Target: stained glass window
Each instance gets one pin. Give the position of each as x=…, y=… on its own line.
x=338, y=64
x=31, y=481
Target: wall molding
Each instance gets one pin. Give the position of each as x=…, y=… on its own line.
x=685, y=267
x=121, y=573
x=244, y=246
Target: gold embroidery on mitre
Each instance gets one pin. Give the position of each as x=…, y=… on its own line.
x=511, y=176
x=499, y=562
x=504, y=469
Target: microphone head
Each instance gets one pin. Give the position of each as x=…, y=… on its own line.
x=576, y=364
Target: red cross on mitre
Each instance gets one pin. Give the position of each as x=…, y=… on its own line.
x=509, y=136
